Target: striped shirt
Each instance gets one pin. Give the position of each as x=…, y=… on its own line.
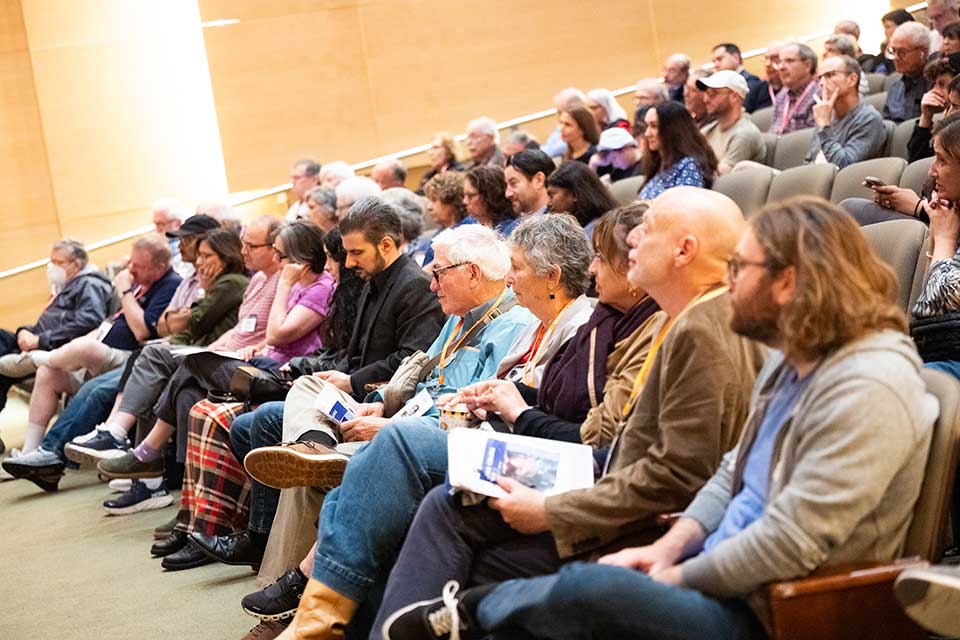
x=257, y=300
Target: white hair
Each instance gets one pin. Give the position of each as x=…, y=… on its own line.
x=357, y=188
x=477, y=244
x=919, y=35
x=606, y=99
x=568, y=98
x=485, y=124
x=681, y=58
x=170, y=207
x=949, y=4
x=654, y=86
x=220, y=210
x=337, y=168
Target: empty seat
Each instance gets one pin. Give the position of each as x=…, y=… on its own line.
x=849, y=180
x=903, y=245
x=763, y=118
x=876, y=82
x=747, y=187
x=916, y=174
x=897, y=143
x=810, y=179
x=877, y=100
x=770, y=139
x=792, y=148
x=625, y=191
x=892, y=79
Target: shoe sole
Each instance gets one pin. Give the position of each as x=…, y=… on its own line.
x=48, y=479
x=134, y=475
x=150, y=504
x=283, y=468
x=84, y=457
x=278, y=617
x=931, y=599
x=192, y=565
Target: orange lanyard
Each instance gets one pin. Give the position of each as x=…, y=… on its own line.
x=530, y=368
x=444, y=361
x=648, y=363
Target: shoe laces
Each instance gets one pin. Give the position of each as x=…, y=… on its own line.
x=447, y=620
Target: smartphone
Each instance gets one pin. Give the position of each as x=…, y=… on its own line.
x=873, y=183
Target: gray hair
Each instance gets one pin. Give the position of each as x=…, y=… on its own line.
x=844, y=43
x=849, y=27
x=681, y=58
x=520, y=137
x=851, y=66
x=218, y=209
x=171, y=207
x=654, y=86
x=325, y=198
x=919, y=35
x=805, y=53
x=477, y=244
x=74, y=249
x=568, y=98
x=554, y=241
x=337, y=168
x=156, y=247
x=357, y=188
x=486, y=125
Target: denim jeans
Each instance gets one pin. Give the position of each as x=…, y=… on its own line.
x=262, y=427
x=598, y=601
x=363, y=521
x=89, y=407
x=950, y=367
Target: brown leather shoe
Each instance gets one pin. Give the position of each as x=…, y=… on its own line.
x=296, y=464
x=323, y=614
x=266, y=630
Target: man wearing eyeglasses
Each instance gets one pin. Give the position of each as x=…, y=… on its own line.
x=909, y=46
x=793, y=106
x=304, y=175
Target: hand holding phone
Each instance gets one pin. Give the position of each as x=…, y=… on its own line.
x=872, y=183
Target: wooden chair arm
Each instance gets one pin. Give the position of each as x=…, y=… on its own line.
x=843, y=577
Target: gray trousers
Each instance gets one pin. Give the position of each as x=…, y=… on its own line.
x=150, y=374
x=867, y=212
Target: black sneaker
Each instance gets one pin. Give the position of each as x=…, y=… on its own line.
x=41, y=467
x=102, y=446
x=442, y=617
x=139, y=498
x=277, y=601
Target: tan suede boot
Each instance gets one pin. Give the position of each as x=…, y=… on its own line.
x=322, y=615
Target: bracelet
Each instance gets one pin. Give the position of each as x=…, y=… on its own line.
x=916, y=209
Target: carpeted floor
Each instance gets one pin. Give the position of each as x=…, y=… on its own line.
x=68, y=571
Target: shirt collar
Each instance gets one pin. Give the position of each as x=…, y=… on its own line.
x=382, y=279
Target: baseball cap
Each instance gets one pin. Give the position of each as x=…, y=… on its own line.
x=194, y=225
x=725, y=79
x=615, y=138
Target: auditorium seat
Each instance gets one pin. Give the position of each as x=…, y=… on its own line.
x=916, y=174
x=747, y=187
x=903, y=245
x=625, y=191
x=876, y=82
x=810, y=179
x=890, y=128
x=890, y=81
x=849, y=181
x=763, y=118
x=792, y=148
x=770, y=139
x=897, y=143
x=877, y=100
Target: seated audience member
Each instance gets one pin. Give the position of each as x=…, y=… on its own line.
x=793, y=106
x=940, y=15
x=526, y=175
x=389, y=173
x=176, y=316
x=676, y=70
x=765, y=93
x=951, y=40
x=566, y=99
x=580, y=133
x=444, y=194
x=518, y=141
x=442, y=155
x=304, y=176
x=848, y=129
x=677, y=153
x=322, y=208
x=694, y=99
x=575, y=189
x=168, y=214
x=826, y=409
x=353, y=190
x=943, y=97
x=909, y=46
x=484, y=194
x=732, y=135
x=81, y=299
x=618, y=155
x=649, y=93
x=929, y=594
x=852, y=29
x=333, y=173
x=299, y=306
x=483, y=139
x=549, y=262
x=726, y=56
x=883, y=62
x=840, y=44
x=606, y=111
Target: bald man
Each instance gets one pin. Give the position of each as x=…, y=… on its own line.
x=388, y=174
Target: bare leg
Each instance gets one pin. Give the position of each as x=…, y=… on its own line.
x=306, y=565
x=44, y=402
x=82, y=353
x=159, y=434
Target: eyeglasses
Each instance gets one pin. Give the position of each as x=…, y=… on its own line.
x=902, y=51
x=439, y=271
x=250, y=246
x=736, y=264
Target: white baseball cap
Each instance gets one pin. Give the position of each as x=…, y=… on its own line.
x=725, y=79
x=615, y=138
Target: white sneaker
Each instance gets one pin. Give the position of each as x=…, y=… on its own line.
x=120, y=485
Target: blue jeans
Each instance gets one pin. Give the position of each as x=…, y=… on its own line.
x=598, y=601
x=363, y=521
x=262, y=427
x=950, y=367
x=89, y=407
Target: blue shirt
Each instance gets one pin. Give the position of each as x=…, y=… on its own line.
x=154, y=303
x=748, y=505
x=903, y=98
x=506, y=227
x=683, y=172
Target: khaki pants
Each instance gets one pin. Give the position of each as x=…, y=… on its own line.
x=293, y=533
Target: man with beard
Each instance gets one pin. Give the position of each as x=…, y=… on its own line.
x=827, y=471
x=526, y=175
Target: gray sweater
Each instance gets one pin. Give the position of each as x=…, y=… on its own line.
x=858, y=135
x=846, y=471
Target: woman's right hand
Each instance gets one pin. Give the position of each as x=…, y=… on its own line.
x=893, y=197
x=931, y=103
x=291, y=273
x=944, y=227
x=245, y=353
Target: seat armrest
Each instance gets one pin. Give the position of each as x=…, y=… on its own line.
x=843, y=577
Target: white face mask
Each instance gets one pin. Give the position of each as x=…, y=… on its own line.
x=56, y=275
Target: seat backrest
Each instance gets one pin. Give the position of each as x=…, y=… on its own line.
x=903, y=245
x=849, y=181
x=927, y=533
x=897, y=143
x=878, y=100
x=625, y=191
x=763, y=118
x=747, y=187
x=916, y=174
x=770, y=139
x=876, y=82
x=891, y=80
x=792, y=148
x=809, y=179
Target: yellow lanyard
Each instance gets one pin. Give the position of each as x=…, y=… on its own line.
x=444, y=361
x=530, y=368
x=648, y=363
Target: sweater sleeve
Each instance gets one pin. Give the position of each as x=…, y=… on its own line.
x=534, y=422
x=222, y=300
x=863, y=141
x=918, y=147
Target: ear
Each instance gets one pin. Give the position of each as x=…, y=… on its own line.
x=539, y=180
x=553, y=278
x=385, y=244
x=687, y=250
x=784, y=285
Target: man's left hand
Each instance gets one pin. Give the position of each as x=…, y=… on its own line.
x=123, y=281
x=362, y=428
x=523, y=508
x=27, y=341
x=336, y=378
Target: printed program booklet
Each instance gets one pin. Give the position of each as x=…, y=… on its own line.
x=478, y=457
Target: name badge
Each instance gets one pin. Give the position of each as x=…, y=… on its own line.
x=103, y=330
x=418, y=405
x=248, y=324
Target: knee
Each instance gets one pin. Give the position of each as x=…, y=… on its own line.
x=604, y=584
x=438, y=503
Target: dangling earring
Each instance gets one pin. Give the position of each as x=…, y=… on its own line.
x=633, y=293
